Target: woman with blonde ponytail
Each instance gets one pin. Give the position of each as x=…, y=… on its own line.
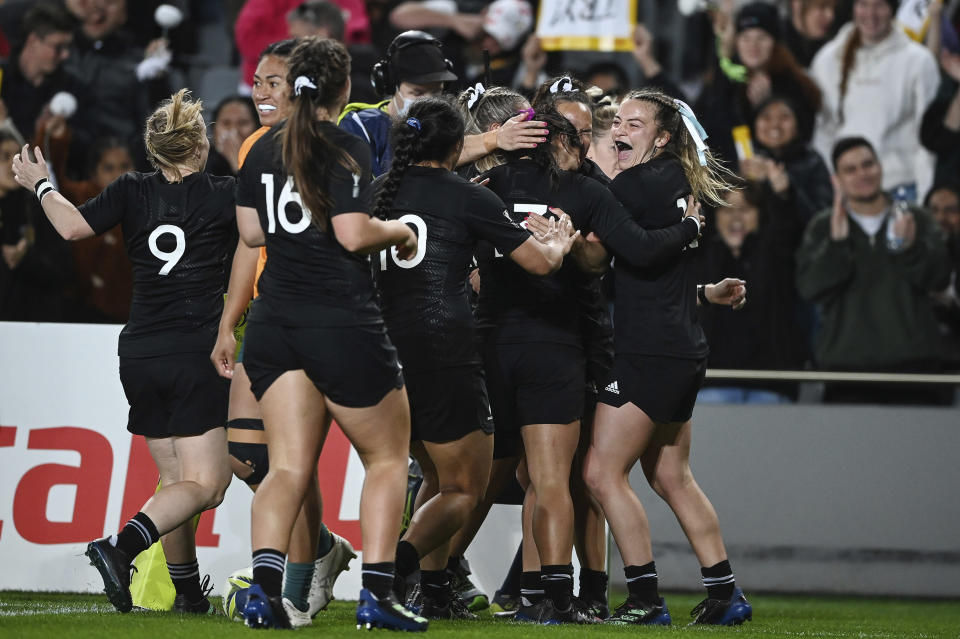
x=177, y=225
x=646, y=402
x=315, y=347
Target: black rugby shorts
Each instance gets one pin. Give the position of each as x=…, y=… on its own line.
x=665, y=388
x=176, y=394
x=354, y=366
x=447, y=404
x=535, y=383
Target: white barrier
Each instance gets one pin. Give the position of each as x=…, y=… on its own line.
x=72, y=472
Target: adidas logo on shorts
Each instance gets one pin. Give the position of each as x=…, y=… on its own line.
x=612, y=388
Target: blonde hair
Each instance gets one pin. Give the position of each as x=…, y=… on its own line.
x=708, y=183
x=495, y=105
x=174, y=132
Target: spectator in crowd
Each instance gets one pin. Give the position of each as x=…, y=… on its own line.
x=754, y=65
x=123, y=81
x=940, y=129
x=234, y=119
x=871, y=269
x=807, y=28
x=499, y=28
x=34, y=73
x=783, y=157
x=262, y=22
x=316, y=17
x=326, y=19
x=877, y=83
x=943, y=202
x=755, y=240
x=37, y=269
x=104, y=279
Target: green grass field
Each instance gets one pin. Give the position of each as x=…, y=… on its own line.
x=72, y=616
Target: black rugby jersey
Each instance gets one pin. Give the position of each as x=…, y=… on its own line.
x=178, y=237
x=520, y=307
x=309, y=278
x=424, y=300
x=655, y=312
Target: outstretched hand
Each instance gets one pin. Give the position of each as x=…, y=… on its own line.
x=26, y=171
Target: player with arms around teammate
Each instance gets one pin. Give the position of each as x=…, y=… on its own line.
x=427, y=311
x=647, y=400
x=316, y=346
x=177, y=224
x=533, y=350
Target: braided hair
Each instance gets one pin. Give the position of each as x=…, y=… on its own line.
x=495, y=105
x=431, y=132
x=318, y=72
x=709, y=182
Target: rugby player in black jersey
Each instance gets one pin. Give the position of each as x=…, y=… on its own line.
x=647, y=400
x=427, y=311
x=568, y=96
x=316, y=346
x=312, y=567
x=533, y=349
x=177, y=226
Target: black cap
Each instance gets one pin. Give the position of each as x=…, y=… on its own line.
x=759, y=15
x=420, y=63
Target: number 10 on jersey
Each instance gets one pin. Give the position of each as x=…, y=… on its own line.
x=421, y=228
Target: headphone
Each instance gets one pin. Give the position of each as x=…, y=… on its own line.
x=380, y=76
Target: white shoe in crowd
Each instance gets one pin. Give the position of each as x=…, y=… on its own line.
x=325, y=573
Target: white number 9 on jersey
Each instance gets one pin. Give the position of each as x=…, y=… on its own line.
x=169, y=257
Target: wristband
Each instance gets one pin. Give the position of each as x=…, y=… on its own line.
x=702, y=295
x=42, y=187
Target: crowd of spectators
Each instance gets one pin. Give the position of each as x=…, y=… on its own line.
x=843, y=128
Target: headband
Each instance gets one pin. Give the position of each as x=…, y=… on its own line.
x=563, y=85
x=693, y=126
x=303, y=82
x=474, y=94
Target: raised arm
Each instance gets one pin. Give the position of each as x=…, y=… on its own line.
x=64, y=216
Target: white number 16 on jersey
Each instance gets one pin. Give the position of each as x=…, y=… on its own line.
x=169, y=257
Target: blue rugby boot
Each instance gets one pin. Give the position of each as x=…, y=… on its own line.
x=261, y=611
x=636, y=613
x=386, y=613
x=723, y=612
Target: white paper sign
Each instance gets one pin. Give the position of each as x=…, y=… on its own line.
x=587, y=25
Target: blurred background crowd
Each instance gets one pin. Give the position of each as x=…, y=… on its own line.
x=775, y=84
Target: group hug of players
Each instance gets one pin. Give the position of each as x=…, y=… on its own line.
x=360, y=275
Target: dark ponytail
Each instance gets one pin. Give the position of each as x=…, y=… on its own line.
x=431, y=131
x=318, y=71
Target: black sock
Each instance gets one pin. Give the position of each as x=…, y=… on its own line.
x=436, y=585
x=137, y=535
x=593, y=585
x=453, y=564
x=378, y=578
x=642, y=582
x=718, y=580
x=408, y=561
x=530, y=587
x=268, y=570
x=557, y=585
x=186, y=580
x=511, y=583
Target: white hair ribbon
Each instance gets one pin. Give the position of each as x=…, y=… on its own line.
x=563, y=85
x=302, y=82
x=475, y=92
x=696, y=131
